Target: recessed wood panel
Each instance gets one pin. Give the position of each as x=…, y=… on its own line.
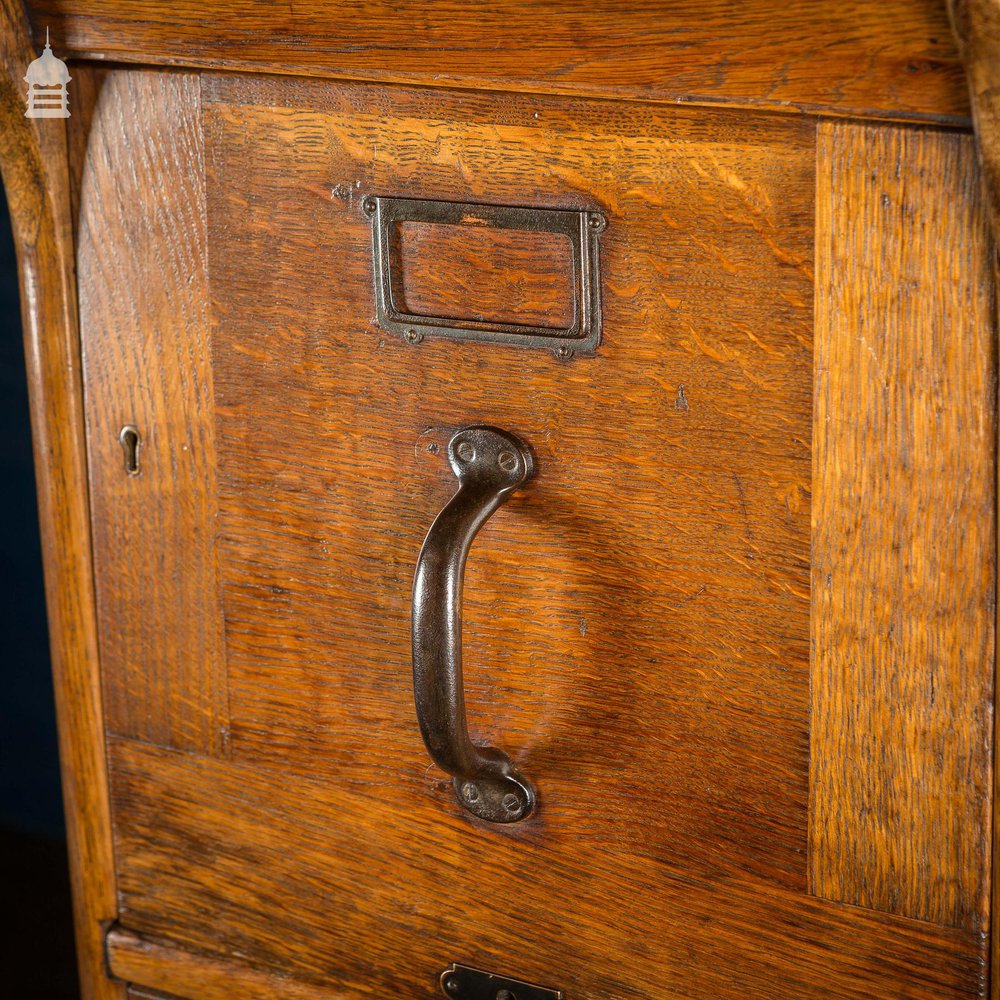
x=143, y=319
x=879, y=58
x=904, y=502
x=636, y=621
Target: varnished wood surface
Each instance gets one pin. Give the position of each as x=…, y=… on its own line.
x=869, y=58
x=326, y=881
x=199, y=976
x=636, y=622
x=976, y=25
x=34, y=167
x=144, y=331
x=469, y=272
x=904, y=551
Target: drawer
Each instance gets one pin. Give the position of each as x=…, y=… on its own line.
x=729, y=630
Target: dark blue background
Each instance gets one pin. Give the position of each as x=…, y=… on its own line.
x=36, y=946
x=30, y=800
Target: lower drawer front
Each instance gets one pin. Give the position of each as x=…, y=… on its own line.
x=737, y=629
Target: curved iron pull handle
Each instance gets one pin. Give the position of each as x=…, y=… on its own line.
x=490, y=465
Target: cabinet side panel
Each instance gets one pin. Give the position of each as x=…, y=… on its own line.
x=903, y=526
x=33, y=162
x=144, y=286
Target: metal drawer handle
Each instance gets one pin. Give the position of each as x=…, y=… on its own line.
x=490, y=465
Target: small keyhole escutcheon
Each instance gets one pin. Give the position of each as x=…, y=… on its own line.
x=131, y=441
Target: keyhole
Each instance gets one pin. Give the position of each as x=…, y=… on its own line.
x=130, y=441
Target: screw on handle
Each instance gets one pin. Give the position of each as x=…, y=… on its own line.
x=490, y=465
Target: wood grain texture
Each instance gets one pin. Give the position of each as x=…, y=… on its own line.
x=36, y=181
x=904, y=552
x=236, y=855
x=469, y=272
x=200, y=976
x=637, y=623
x=88, y=80
x=976, y=24
x=879, y=58
x=146, y=357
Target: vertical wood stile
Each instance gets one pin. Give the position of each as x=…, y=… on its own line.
x=904, y=555
x=33, y=160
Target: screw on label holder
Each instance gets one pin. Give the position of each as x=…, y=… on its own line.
x=582, y=228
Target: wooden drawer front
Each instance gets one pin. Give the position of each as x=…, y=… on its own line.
x=616, y=618
x=638, y=621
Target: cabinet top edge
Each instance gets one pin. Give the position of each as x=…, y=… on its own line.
x=882, y=60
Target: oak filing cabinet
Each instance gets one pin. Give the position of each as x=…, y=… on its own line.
x=518, y=484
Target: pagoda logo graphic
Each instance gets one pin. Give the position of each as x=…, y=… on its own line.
x=47, y=79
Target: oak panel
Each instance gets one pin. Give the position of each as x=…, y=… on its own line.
x=880, y=58
x=976, y=25
x=146, y=362
x=637, y=622
x=904, y=554
x=325, y=882
x=977, y=32
x=467, y=272
x=197, y=975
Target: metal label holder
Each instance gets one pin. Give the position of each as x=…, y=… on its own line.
x=582, y=228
